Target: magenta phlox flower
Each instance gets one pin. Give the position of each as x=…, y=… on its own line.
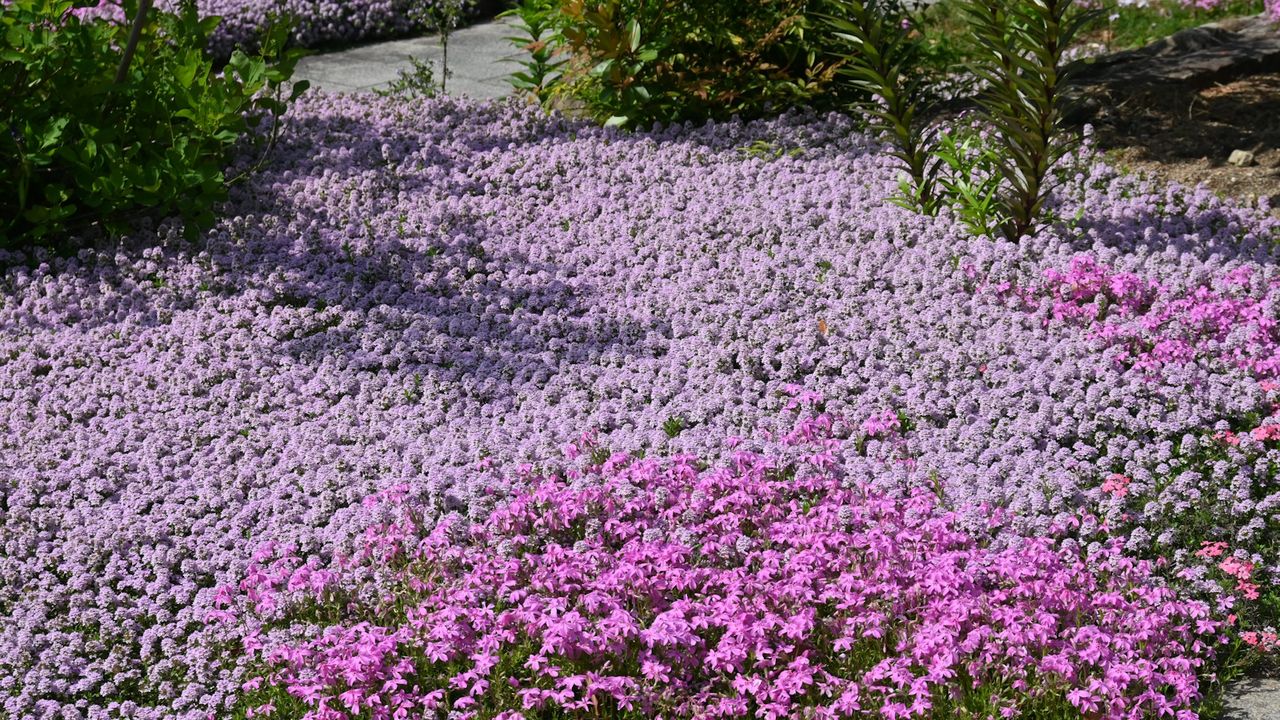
x=881, y=424
x=785, y=569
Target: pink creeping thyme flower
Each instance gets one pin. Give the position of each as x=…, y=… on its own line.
x=1236, y=568
x=1266, y=432
x=1248, y=590
x=1211, y=549
x=1156, y=328
x=881, y=424
x=1266, y=641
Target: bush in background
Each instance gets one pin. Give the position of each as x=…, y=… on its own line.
x=318, y=23
x=93, y=140
x=634, y=63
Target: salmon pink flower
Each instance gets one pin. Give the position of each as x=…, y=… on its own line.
x=1116, y=485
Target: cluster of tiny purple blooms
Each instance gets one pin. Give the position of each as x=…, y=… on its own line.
x=317, y=22
x=465, y=409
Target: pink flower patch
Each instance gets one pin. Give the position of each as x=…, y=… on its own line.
x=1237, y=568
x=1211, y=549
x=1116, y=485
x=1266, y=432
x=882, y=424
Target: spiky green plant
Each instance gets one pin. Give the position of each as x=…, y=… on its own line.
x=880, y=62
x=1024, y=102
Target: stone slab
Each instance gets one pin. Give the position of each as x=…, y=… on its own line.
x=1197, y=57
x=1254, y=699
x=480, y=59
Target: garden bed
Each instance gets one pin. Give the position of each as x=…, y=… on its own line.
x=417, y=299
x=1179, y=107
x=320, y=25
x=1187, y=135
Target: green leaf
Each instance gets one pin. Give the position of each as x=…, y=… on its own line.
x=603, y=67
x=185, y=72
x=633, y=34
x=298, y=88
x=52, y=133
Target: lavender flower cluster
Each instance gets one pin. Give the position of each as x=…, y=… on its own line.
x=412, y=288
x=319, y=22
x=763, y=587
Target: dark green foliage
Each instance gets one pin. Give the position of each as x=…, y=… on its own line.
x=881, y=61
x=538, y=21
x=84, y=151
x=674, y=425
x=1023, y=101
x=636, y=62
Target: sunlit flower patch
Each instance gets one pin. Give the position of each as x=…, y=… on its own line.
x=432, y=296
x=765, y=586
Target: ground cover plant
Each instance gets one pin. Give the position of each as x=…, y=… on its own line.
x=771, y=586
x=437, y=300
x=317, y=23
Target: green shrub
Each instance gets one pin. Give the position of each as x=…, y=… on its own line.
x=92, y=140
x=538, y=22
x=635, y=62
x=418, y=82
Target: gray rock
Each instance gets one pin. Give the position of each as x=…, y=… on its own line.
x=1253, y=699
x=1197, y=57
x=1240, y=158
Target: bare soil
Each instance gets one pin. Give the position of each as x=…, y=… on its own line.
x=1185, y=135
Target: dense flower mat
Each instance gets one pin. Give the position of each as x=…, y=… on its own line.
x=776, y=586
x=410, y=290
x=319, y=22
